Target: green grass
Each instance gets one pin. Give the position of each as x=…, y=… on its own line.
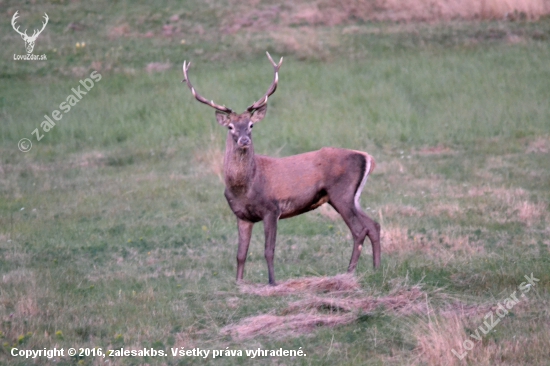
x=114, y=231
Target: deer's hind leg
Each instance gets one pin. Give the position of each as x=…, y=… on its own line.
x=345, y=199
x=360, y=226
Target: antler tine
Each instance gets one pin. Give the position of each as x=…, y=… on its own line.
x=44, y=23
x=37, y=32
x=15, y=16
x=197, y=95
x=263, y=100
x=273, y=62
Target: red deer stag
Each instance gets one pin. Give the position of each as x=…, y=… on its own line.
x=262, y=188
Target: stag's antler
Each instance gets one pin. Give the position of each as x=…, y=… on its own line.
x=15, y=16
x=24, y=34
x=263, y=100
x=197, y=96
x=35, y=34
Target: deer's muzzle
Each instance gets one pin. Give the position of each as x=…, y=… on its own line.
x=244, y=141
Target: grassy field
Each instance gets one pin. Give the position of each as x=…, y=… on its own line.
x=114, y=232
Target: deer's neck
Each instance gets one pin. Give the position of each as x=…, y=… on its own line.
x=239, y=167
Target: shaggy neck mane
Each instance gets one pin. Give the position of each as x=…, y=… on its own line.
x=239, y=166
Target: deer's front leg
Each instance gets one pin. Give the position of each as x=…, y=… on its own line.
x=270, y=229
x=245, y=232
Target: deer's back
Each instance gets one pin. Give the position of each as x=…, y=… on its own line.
x=299, y=183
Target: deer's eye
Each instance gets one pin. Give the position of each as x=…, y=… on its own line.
x=251, y=125
x=230, y=127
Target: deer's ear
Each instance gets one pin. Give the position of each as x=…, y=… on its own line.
x=222, y=118
x=259, y=114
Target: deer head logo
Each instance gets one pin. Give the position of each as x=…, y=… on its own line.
x=29, y=41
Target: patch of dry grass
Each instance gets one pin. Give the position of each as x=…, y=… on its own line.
x=541, y=145
x=515, y=206
x=391, y=210
x=529, y=213
x=284, y=326
x=158, y=67
x=305, y=315
x=304, y=42
x=404, y=301
x=306, y=29
x=341, y=302
x=437, y=336
x=338, y=283
x=436, y=245
x=435, y=150
x=211, y=158
x=327, y=211
x=286, y=14
x=499, y=204
x=21, y=296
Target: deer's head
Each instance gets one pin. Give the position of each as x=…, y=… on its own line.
x=29, y=40
x=239, y=125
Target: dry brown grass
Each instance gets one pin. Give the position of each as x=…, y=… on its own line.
x=450, y=210
x=338, y=283
x=27, y=306
x=275, y=16
x=426, y=10
x=327, y=211
x=335, y=301
x=158, y=67
x=344, y=303
x=391, y=210
x=21, y=295
x=499, y=204
x=515, y=206
x=304, y=42
x=437, y=336
x=122, y=30
x=284, y=326
x=529, y=213
x=211, y=158
x=436, y=245
x=540, y=145
x=435, y=150
x=403, y=301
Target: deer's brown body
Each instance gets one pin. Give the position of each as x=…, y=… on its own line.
x=284, y=185
x=262, y=188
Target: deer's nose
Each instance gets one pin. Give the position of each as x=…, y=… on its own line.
x=243, y=141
